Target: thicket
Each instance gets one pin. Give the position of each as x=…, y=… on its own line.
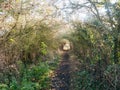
x=28, y=62
x=94, y=51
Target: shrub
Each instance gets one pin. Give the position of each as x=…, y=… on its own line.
x=31, y=78
x=3, y=86
x=87, y=79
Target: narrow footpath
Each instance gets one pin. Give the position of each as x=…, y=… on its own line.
x=61, y=80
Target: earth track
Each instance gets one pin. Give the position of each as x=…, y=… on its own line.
x=61, y=81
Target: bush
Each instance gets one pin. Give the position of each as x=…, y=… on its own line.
x=92, y=80
x=3, y=86
x=31, y=78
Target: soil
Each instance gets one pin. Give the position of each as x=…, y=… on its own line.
x=61, y=81
x=63, y=74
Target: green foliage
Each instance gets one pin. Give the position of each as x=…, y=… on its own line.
x=54, y=63
x=3, y=87
x=93, y=80
x=1, y=1
x=31, y=78
x=94, y=50
x=27, y=53
x=36, y=77
x=43, y=48
x=28, y=44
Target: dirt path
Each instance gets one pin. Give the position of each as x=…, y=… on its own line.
x=61, y=81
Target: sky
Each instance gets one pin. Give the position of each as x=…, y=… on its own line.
x=65, y=14
x=81, y=14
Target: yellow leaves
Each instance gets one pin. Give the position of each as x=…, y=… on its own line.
x=99, y=5
x=119, y=54
x=43, y=48
x=12, y=40
x=51, y=73
x=17, y=1
x=14, y=30
x=49, y=11
x=91, y=36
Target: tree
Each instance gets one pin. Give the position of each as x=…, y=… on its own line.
x=28, y=28
x=107, y=22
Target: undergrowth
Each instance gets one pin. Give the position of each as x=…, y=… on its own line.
x=96, y=79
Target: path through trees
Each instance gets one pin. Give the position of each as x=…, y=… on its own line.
x=61, y=81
